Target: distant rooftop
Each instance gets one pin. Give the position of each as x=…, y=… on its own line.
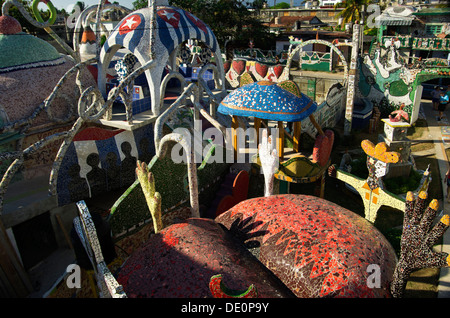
x=433, y=11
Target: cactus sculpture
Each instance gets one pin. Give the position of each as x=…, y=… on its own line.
x=153, y=198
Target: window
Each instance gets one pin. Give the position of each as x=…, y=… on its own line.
x=433, y=29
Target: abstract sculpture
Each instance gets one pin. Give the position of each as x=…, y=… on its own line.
x=418, y=239
x=315, y=247
x=372, y=189
x=269, y=162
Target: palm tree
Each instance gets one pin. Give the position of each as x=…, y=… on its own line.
x=353, y=10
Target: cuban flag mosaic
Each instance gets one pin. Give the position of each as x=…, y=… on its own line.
x=131, y=30
x=173, y=26
x=176, y=25
x=100, y=160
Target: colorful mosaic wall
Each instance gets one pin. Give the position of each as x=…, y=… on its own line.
x=235, y=69
x=182, y=259
x=100, y=160
x=30, y=68
x=262, y=56
x=387, y=83
x=295, y=235
x=418, y=43
x=314, y=61
x=171, y=180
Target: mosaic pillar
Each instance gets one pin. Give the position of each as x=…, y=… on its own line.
x=395, y=138
x=351, y=80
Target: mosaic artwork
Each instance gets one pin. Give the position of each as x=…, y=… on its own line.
x=332, y=249
x=298, y=44
x=219, y=290
x=302, y=233
x=101, y=160
x=330, y=111
x=153, y=198
x=372, y=189
x=85, y=228
x=295, y=236
x=182, y=258
x=276, y=246
x=390, y=83
x=267, y=100
x=419, y=236
x=173, y=26
x=314, y=61
x=171, y=180
x=236, y=69
x=193, y=55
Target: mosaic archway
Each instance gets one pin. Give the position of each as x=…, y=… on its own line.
x=300, y=45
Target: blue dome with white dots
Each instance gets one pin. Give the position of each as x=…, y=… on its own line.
x=267, y=100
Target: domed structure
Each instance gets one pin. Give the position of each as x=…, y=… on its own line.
x=316, y=248
x=23, y=51
x=9, y=25
x=156, y=35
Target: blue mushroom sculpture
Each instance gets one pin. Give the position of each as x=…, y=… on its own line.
x=281, y=102
x=267, y=100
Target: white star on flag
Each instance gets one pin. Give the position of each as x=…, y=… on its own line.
x=130, y=22
x=168, y=15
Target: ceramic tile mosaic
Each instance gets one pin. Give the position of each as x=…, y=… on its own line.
x=316, y=248
x=181, y=260
x=239, y=68
x=388, y=84
x=372, y=189
x=171, y=182
x=172, y=27
x=418, y=237
x=267, y=100
x=30, y=69
x=445, y=131
x=100, y=160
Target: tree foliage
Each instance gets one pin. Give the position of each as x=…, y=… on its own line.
x=27, y=26
x=281, y=5
x=228, y=19
x=353, y=10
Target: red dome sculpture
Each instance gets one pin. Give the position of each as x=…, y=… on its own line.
x=9, y=25
x=316, y=248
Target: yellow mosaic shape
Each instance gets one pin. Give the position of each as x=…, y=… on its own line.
x=246, y=78
x=380, y=151
x=291, y=87
x=446, y=219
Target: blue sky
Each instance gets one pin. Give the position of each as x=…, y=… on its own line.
x=65, y=4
